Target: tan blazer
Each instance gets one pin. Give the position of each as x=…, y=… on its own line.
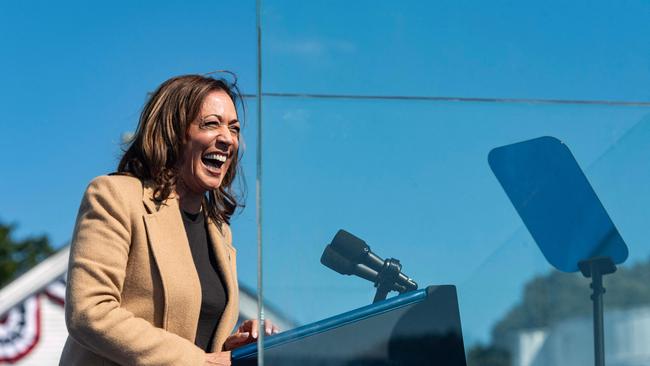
x=133, y=294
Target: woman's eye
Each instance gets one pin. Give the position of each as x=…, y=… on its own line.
x=211, y=124
x=235, y=129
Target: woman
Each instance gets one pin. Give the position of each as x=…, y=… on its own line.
x=152, y=274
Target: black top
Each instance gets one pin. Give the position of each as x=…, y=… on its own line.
x=213, y=301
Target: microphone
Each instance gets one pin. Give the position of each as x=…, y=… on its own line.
x=348, y=254
x=332, y=259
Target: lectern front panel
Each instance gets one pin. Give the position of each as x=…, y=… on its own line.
x=418, y=328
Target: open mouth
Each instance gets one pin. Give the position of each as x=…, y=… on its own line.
x=214, y=160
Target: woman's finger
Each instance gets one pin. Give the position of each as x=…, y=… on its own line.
x=236, y=340
x=245, y=326
x=268, y=327
x=253, y=328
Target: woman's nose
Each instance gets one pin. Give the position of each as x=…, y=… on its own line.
x=225, y=136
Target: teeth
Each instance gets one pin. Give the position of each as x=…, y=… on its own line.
x=221, y=157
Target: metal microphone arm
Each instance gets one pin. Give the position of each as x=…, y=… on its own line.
x=387, y=280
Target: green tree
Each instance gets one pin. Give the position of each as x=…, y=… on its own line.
x=18, y=256
x=481, y=355
x=558, y=296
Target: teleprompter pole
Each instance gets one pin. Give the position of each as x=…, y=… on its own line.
x=595, y=268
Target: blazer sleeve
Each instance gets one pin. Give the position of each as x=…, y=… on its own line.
x=98, y=258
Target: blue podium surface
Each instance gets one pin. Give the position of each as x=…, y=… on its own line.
x=417, y=328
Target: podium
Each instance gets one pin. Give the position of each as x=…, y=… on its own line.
x=417, y=328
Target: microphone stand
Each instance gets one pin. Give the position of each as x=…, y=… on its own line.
x=387, y=279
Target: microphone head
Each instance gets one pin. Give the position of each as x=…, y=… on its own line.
x=349, y=246
x=334, y=260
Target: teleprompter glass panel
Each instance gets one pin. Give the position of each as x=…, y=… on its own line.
x=412, y=180
x=556, y=202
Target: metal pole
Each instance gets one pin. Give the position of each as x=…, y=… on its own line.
x=595, y=268
x=258, y=190
x=599, y=329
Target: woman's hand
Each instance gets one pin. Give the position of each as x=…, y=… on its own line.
x=217, y=358
x=247, y=333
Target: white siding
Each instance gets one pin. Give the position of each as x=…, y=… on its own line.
x=570, y=342
x=53, y=335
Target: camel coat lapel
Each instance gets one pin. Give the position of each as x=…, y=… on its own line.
x=171, y=251
x=181, y=285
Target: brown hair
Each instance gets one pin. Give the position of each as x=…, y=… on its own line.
x=157, y=145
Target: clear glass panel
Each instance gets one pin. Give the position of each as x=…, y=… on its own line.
x=345, y=147
x=412, y=179
x=496, y=49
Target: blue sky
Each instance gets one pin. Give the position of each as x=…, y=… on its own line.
x=75, y=77
x=523, y=49
x=409, y=177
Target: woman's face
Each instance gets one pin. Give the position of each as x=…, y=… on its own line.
x=212, y=143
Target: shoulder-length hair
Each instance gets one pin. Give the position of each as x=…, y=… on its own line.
x=157, y=146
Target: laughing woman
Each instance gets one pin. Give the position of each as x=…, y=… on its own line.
x=152, y=274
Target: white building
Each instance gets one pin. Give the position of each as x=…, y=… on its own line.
x=571, y=343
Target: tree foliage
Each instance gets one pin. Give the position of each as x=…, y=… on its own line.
x=18, y=256
x=558, y=296
x=481, y=355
